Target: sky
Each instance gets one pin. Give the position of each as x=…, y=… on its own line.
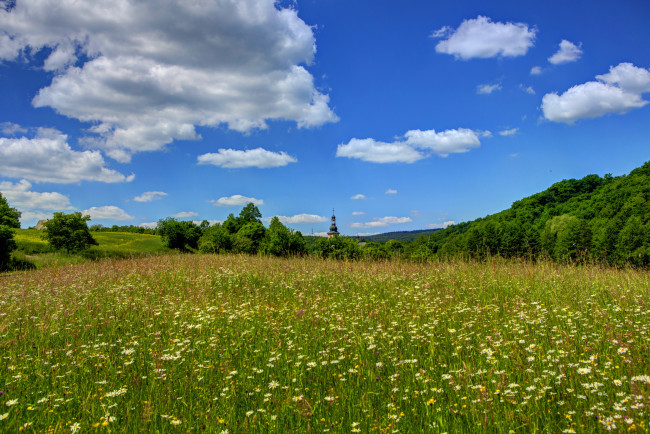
x=396, y=115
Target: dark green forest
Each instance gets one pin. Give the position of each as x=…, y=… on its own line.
x=595, y=218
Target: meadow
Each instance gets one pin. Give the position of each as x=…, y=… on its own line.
x=193, y=343
x=32, y=247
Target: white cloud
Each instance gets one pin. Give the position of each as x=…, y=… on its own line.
x=261, y=158
x=358, y=212
x=568, y=52
x=300, y=219
x=149, y=196
x=482, y=38
x=148, y=225
x=109, y=212
x=33, y=205
x=486, y=89
x=48, y=158
x=536, y=70
x=236, y=200
x=528, y=89
x=378, y=152
x=20, y=196
x=319, y=234
x=510, y=132
x=381, y=222
x=618, y=91
x=9, y=128
x=628, y=77
x=404, y=151
x=147, y=74
x=391, y=191
x=445, y=142
x=441, y=225
x=185, y=214
x=358, y=197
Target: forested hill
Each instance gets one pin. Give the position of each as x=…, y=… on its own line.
x=403, y=236
x=604, y=218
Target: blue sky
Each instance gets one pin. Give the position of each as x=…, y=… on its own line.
x=400, y=115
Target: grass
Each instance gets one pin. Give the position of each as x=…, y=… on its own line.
x=246, y=344
x=33, y=248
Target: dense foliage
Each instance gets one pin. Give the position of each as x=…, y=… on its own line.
x=69, y=232
x=8, y=221
x=593, y=218
x=242, y=234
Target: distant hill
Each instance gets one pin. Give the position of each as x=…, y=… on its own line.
x=602, y=218
x=402, y=236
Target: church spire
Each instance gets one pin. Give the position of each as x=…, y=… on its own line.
x=334, y=232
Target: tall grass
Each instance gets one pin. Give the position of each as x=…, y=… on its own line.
x=247, y=344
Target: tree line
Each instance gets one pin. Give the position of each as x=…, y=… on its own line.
x=604, y=219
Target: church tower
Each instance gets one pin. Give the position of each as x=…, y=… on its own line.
x=334, y=232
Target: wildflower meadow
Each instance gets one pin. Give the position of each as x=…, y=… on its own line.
x=237, y=344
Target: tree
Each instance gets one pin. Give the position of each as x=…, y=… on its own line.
x=248, y=237
x=69, y=232
x=280, y=241
x=8, y=221
x=250, y=214
x=179, y=234
x=216, y=239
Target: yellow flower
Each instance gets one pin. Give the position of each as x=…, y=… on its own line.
x=431, y=401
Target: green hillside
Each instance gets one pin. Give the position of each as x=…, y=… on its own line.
x=596, y=218
x=34, y=248
x=402, y=236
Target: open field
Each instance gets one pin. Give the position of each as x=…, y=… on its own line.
x=248, y=344
x=111, y=245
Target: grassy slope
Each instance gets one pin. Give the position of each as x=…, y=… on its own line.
x=111, y=245
x=201, y=343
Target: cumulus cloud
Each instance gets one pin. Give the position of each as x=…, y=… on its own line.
x=358, y=197
x=441, y=225
x=618, y=91
x=149, y=196
x=146, y=75
x=236, y=200
x=568, y=52
x=33, y=205
x=10, y=129
x=536, y=70
x=358, y=212
x=109, y=212
x=300, y=219
x=445, y=142
x=378, y=152
x=378, y=222
x=406, y=150
x=48, y=158
x=483, y=38
x=486, y=89
x=148, y=225
x=234, y=159
x=391, y=191
x=510, y=132
x=185, y=214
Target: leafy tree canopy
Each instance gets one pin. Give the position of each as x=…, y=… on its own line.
x=69, y=232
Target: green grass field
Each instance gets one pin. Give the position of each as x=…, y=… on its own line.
x=34, y=248
x=238, y=344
